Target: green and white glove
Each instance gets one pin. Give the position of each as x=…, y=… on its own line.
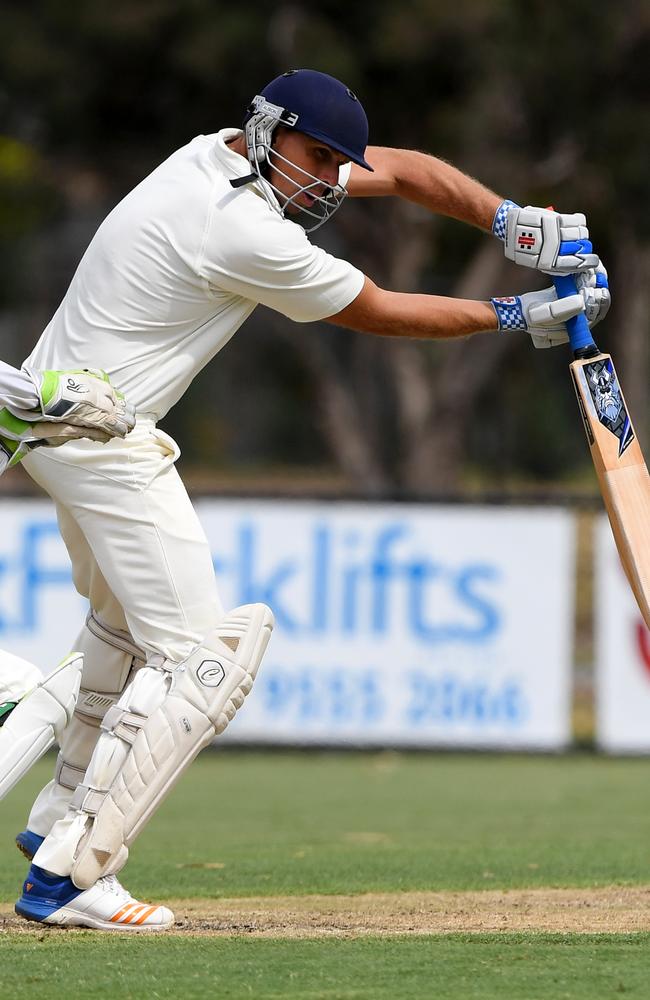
x=83, y=398
x=73, y=404
x=18, y=437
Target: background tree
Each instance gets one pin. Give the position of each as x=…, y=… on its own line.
x=546, y=105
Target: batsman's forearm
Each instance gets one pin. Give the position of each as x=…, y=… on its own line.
x=398, y=314
x=428, y=181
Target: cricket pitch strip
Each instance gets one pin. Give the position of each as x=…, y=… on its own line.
x=609, y=910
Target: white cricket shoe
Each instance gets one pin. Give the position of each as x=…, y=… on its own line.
x=106, y=906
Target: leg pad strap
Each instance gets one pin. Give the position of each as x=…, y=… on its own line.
x=67, y=774
x=87, y=799
x=126, y=725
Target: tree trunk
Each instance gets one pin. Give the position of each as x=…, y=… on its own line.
x=438, y=401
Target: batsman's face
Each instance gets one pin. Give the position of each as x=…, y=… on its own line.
x=307, y=158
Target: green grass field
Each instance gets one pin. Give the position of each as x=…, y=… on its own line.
x=252, y=825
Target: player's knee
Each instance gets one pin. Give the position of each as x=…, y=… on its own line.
x=111, y=659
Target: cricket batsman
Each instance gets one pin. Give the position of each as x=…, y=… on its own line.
x=168, y=279
x=46, y=409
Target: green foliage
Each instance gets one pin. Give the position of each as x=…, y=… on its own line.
x=545, y=104
x=26, y=198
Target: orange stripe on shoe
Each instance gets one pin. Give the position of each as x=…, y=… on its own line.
x=146, y=914
x=125, y=909
x=133, y=913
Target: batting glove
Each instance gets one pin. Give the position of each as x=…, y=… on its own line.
x=543, y=315
x=544, y=239
x=82, y=398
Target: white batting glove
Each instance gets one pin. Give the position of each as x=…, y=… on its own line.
x=544, y=239
x=543, y=315
x=84, y=399
x=594, y=288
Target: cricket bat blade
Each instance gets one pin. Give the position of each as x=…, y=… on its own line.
x=620, y=467
x=615, y=450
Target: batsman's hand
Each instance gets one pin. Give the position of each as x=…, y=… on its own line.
x=544, y=239
x=84, y=399
x=544, y=316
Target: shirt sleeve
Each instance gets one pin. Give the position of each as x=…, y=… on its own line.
x=266, y=259
x=17, y=391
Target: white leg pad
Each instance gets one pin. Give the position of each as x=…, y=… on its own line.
x=143, y=695
x=37, y=721
x=147, y=755
x=111, y=659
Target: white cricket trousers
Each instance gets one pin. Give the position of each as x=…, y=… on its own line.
x=137, y=549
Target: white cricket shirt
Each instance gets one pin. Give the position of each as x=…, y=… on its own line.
x=176, y=268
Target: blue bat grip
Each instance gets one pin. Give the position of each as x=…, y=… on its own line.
x=577, y=327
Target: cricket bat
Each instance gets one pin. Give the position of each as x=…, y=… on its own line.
x=615, y=450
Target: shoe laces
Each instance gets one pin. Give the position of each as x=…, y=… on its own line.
x=111, y=884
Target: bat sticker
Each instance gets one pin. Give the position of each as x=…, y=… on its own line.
x=608, y=401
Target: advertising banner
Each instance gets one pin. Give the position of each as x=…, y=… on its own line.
x=40, y=611
x=622, y=655
x=396, y=625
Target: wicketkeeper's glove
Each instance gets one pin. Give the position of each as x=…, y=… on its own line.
x=72, y=404
x=544, y=239
x=83, y=398
x=19, y=437
x=543, y=315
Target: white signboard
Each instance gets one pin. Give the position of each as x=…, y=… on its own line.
x=40, y=611
x=401, y=625
x=622, y=655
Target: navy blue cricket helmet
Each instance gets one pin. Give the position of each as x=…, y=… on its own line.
x=322, y=107
x=319, y=106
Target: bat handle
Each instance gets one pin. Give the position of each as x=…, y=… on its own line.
x=582, y=343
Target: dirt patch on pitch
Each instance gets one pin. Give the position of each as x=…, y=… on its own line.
x=581, y=911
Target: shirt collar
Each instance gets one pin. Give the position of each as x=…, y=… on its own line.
x=234, y=164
